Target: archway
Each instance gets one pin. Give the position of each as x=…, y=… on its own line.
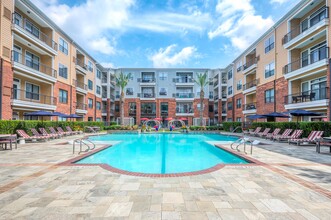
x=173, y=123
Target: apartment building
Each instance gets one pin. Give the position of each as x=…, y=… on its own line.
x=43, y=68
x=286, y=68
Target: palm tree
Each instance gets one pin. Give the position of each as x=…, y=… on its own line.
x=122, y=81
x=202, y=81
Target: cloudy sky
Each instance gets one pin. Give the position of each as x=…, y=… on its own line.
x=165, y=33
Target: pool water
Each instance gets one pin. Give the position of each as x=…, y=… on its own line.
x=162, y=153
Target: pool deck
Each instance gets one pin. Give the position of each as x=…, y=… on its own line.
x=287, y=182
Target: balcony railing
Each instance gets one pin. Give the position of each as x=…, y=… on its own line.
x=118, y=96
x=298, y=30
x=184, y=111
x=317, y=55
x=224, y=95
x=148, y=113
x=184, y=95
x=164, y=112
x=81, y=106
x=23, y=95
x=307, y=96
x=216, y=112
x=216, y=97
x=81, y=63
x=146, y=95
x=223, y=111
x=250, y=106
x=224, y=81
x=183, y=80
x=112, y=97
x=146, y=80
x=103, y=80
x=80, y=85
x=216, y=83
x=250, y=63
x=33, y=64
x=251, y=84
x=35, y=32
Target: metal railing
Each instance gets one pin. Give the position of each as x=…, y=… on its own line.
x=307, y=96
x=251, y=84
x=224, y=81
x=216, y=83
x=216, y=97
x=216, y=112
x=250, y=63
x=80, y=85
x=315, y=56
x=33, y=64
x=146, y=95
x=184, y=95
x=146, y=80
x=23, y=95
x=81, y=63
x=183, y=80
x=298, y=30
x=224, y=96
x=250, y=106
x=185, y=111
x=35, y=32
x=81, y=106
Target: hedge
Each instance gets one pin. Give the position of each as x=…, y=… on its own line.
x=307, y=127
x=203, y=128
x=10, y=127
x=229, y=126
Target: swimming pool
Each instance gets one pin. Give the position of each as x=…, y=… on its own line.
x=162, y=153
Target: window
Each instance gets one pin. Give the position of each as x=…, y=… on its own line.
x=239, y=64
x=211, y=108
x=230, y=106
x=230, y=75
x=304, y=25
x=163, y=76
x=269, y=44
x=17, y=55
x=269, y=96
x=98, y=105
x=211, y=95
x=185, y=107
x=90, y=119
x=98, y=74
x=31, y=60
x=90, y=103
x=269, y=70
x=163, y=91
x=129, y=91
x=148, y=108
x=132, y=108
x=90, y=85
x=238, y=119
x=63, y=96
x=318, y=16
x=63, y=71
x=229, y=119
x=164, y=108
x=63, y=46
x=117, y=95
x=117, y=108
x=98, y=119
x=98, y=90
x=31, y=91
x=239, y=85
x=230, y=90
x=90, y=66
x=18, y=19
x=238, y=103
x=31, y=28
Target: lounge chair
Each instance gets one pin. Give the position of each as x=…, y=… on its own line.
x=37, y=134
x=60, y=130
x=73, y=132
x=285, y=134
x=23, y=135
x=53, y=131
x=257, y=130
x=89, y=129
x=264, y=133
x=273, y=134
x=45, y=133
x=311, y=139
x=295, y=135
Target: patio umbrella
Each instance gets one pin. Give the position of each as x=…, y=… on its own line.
x=72, y=116
x=144, y=119
x=275, y=115
x=158, y=119
x=301, y=112
x=254, y=117
x=169, y=119
x=42, y=114
x=59, y=114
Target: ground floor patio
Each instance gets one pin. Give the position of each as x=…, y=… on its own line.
x=288, y=182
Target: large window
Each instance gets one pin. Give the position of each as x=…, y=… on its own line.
x=269, y=70
x=230, y=75
x=63, y=96
x=148, y=108
x=32, y=91
x=30, y=27
x=63, y=71
x=163, y=91
x=129, y=91
x=184, y=107
x=239, y=85
x=90, y=66
x=98, y=74
x=230, y=106
x=269, y=44
x=164, y=107
x=63, y=46
x=132, y=108
x=90, y=103
x=98, y=105
x=239, y=65
x=230, y=90
x=32, y=60
x=269, y=96
x=98, y=90
x=238, y=103
x=163, y=76
x=318, y=16
x=90, y=85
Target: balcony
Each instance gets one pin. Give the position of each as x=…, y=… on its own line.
x=26, y=99
x=251, y=86
x=216, y=83
x=80, y=86
x=146, y=96
x=104, y=80
x=224, y=81
x=112, y=97
x=211, y=97
x=216, y=112
x=312, y=98
x=37, y=69
x=164, y=113
x=298, y=34
x=81, y=108
x=184, y=81
x=315, y=60
x=250, y=65
x=34, y=35
x=81, y=66
x=184, y=95
x=224, y=96
x=249, y=108
x=150, y=81
x=216, y=97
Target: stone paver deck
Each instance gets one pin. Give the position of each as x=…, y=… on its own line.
x=290, y=182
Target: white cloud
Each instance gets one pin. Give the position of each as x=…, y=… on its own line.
x=279, y=1
x=169, y=57
x=239, y=22
x=107, y=65
x=88, y=22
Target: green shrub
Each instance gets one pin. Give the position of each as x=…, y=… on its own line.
x=229, y=126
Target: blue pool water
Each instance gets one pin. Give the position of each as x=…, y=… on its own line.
x=162, y=153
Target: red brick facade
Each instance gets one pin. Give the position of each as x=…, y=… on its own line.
x=7, y=85
x=70, y=106
x=238, y=111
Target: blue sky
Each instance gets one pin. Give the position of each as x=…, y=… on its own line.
x=165, y=33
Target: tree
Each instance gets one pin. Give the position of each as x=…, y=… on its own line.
x=202, y=81
x=122, y=81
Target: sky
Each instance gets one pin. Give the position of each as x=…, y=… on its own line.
x=165, y=33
